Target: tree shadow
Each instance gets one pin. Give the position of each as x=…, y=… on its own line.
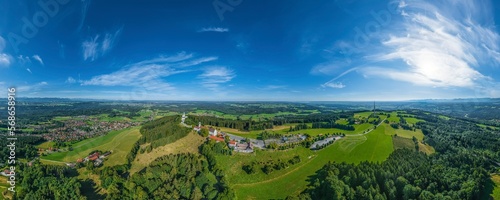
x=89, y=190
x=487, y=192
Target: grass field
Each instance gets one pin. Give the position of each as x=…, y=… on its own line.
x=394, y=117
x=375, y=146
x=3, y=187
x=496, y=190
x=119, y=142
x=401, y=143
x=187, y=144
x=412, y=120
x=46, y=145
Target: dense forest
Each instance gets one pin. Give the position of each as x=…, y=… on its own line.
x=48, y=182
x=406, y=174
x=163, y=131
x=25, y=146
x=179, y=176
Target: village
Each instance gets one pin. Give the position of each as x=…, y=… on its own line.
x=82, y=128
x=246, y=145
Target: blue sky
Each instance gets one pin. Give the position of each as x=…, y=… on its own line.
x=250, y=50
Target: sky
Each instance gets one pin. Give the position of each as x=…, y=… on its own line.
x=242, y=50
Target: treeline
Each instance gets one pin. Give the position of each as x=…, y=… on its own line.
x=242, y=125
x=332, y=124
x=454, y=135
x=162, y=131
x=406, y=174
x=317, y=117
x=47, y=182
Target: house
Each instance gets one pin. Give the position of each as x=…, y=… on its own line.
x=94, y=156
x=107, y=153
x=7, y=173
x=212, y=131
x=217, y=139
x=98, y=162
x=233, y=143
x=246, y=147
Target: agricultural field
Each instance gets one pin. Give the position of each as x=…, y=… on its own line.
x=374, y=146
x=46, y=145
x=401, y=142
x=412, y=120
x=187, y=144
x=3, y=187
x=404, y=139
x=119, y=142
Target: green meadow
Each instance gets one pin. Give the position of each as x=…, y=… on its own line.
x=119, y=142
x=374, y=146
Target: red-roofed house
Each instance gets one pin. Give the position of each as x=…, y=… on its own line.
x=218, y=139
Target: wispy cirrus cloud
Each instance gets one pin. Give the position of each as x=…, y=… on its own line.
x=337, y=85
x=5, y=59
x=70, y=80
x=214, y=29
x=214, y=76
x=99, y=45
x=430, y=43
x=37, y=58
x=149, y=74
x=441, y=46
x=274, y=87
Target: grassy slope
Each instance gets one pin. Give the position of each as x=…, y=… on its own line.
x=375, y=146
x=46, y=145
x=187, y=144
x=400, y=143
x=120, y=142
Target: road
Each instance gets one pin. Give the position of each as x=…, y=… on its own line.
x=359, y=134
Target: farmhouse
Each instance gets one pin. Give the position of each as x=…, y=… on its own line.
x=217, y=139
x=246, y=147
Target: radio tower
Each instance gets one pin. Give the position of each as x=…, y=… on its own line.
x=373, y=108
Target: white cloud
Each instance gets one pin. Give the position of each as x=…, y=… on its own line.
x=70, y=80
x=337, y=85
x=439, y=46
x=29, y=70
x=31, y=88
x=331, y=67
x=98, y=46
x=214, y=29
x=274, y=87
x=37, y=58
x=214, y=76
x=148, y=74
x=5, y=59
